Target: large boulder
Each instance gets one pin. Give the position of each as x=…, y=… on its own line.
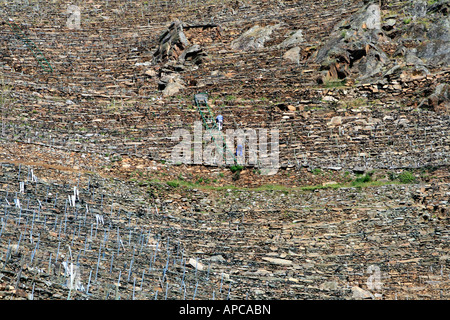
x=175, y=55
x=435, y=49
x=171, y=43
x=352, y=48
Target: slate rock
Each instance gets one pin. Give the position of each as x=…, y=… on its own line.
x=172, y=89
x=171, y=43
x=193, y=54
x=254, y=38
x=293, y=39
x=353, y=48
x=435, y=50
x=278, y=261
x=293, y=55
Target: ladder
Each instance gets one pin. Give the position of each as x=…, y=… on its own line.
x=209, y=121
x=45, y=65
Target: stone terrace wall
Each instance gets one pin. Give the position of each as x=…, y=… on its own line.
x=305, y=245
x=100, y=99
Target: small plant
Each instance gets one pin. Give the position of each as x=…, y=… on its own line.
x=334, y=83
x=173, y=184
x=236, y=168
x=138, y=173
x=406, y=20
x=406, y=177
x=363, y=179
x=316, y=171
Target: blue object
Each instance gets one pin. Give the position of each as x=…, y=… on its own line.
x=239, y=150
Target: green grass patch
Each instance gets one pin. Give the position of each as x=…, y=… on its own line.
x=173, y=184
x=318, y=187
x=406, y=177
x=360, y=182
x=362, y=179
x=334, y=83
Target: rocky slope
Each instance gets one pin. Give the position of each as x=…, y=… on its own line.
x=92, y=208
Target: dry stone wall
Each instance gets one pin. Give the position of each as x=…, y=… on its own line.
x=302, y=245
x=103, y=67
x=125, y=240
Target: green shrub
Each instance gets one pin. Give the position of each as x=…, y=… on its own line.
x=173, y=184
x=256, y=171
x=236, y=168
x=406, y=177
x=363, y=179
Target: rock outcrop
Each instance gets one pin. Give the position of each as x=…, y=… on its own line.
x=435, y=49
x=176, y=54
x=254, y=38
x=373, y=44
x=439, y=100
x=352, y=49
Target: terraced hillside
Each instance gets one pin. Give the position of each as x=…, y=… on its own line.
x=92, y=207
